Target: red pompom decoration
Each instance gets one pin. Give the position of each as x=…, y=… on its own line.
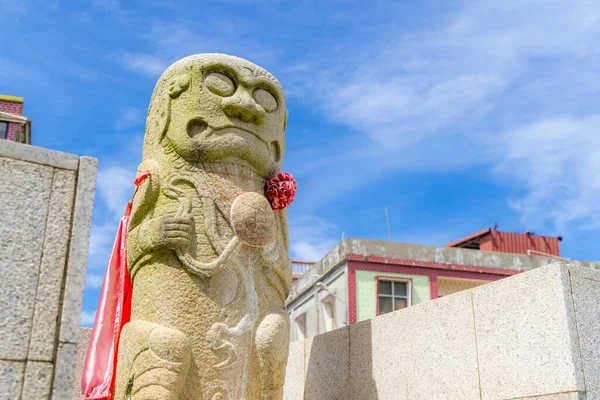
x=280, y=190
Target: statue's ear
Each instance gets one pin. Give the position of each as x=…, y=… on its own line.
x=159, y=115
x=285, y=120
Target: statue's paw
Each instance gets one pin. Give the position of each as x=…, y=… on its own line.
x=176, y=232
x=214, y=334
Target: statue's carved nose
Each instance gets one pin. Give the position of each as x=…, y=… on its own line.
x=243, y=106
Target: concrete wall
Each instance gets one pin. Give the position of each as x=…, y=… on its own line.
x=444, y=255
x=47, y=200
x=366, y=291
x=530, y=336
x=311, y=306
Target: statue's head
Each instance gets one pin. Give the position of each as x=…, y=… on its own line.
x=215, y=107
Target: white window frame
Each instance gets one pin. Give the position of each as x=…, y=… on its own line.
x=300, y=326
x=328, y=308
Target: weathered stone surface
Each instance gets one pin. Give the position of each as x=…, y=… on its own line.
x=39, y=204
x=38, y=377
x=38, y=155
x=560, y=396
x=65, y=369
x=444, y=331
x=11, y=379
x=528, y=331
x=586, y=296
x=24, y=186
x=78, y=250
x=327, y=366
x=294, y=373
x=526, y=336
x=52, y=268
x=416, y=353
x=82, y=345
x=210, y=278
x=379, y=351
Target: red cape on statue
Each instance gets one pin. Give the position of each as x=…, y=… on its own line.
x=114, y=311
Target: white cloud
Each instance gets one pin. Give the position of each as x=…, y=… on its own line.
x=129, y=117
x=311, y=237
x=88, y=318
x=416, y=84
x=144, y=63
x=171, y=41
x=558, y=163
x=443, y=98
x=93, y=281
x=115, y=187
x=102, y=238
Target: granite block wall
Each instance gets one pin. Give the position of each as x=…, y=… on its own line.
x=45, y=219
x=531, y=336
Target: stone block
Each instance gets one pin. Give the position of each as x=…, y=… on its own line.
x=379, y=357
x=52, y=268
x=327, y=366
x=560, y=396
x=11, y=379
x=441, y=341
x=78, y=250
x=38, y=155
x=66, y=362
x=24, y=195
x=294, y=373
x=586, y=297
x=526, y=337
x=38, y=377
x=82, y=345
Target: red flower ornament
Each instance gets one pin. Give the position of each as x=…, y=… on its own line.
x=280, y=190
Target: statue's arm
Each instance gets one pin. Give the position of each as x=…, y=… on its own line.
x=149, y=233
x=143, y=236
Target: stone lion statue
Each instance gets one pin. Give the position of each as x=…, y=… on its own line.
x=207, y=254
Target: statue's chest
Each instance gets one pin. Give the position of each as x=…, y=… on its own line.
x=207, y=199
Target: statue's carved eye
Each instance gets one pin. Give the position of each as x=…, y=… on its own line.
x=265, y=99
x=219, y=84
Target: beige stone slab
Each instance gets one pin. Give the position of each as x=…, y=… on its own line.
x=379, y=357
x=38, y=377
x=294, y=373
x=442, y=342
x=559, y=396
x=38, y=155
x=11, y=379
x=65, y=370
x=77, y=260
x=586, y=296
x=82, y=345
x=54, y=255
x=526, y=334
x=24, y=195
x=327, y=366
x=582, y=271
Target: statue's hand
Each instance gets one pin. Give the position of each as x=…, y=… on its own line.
x=176, y=232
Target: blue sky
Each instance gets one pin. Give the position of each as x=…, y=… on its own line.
x=454, y=115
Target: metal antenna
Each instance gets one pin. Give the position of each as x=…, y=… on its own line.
x=387, y=220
